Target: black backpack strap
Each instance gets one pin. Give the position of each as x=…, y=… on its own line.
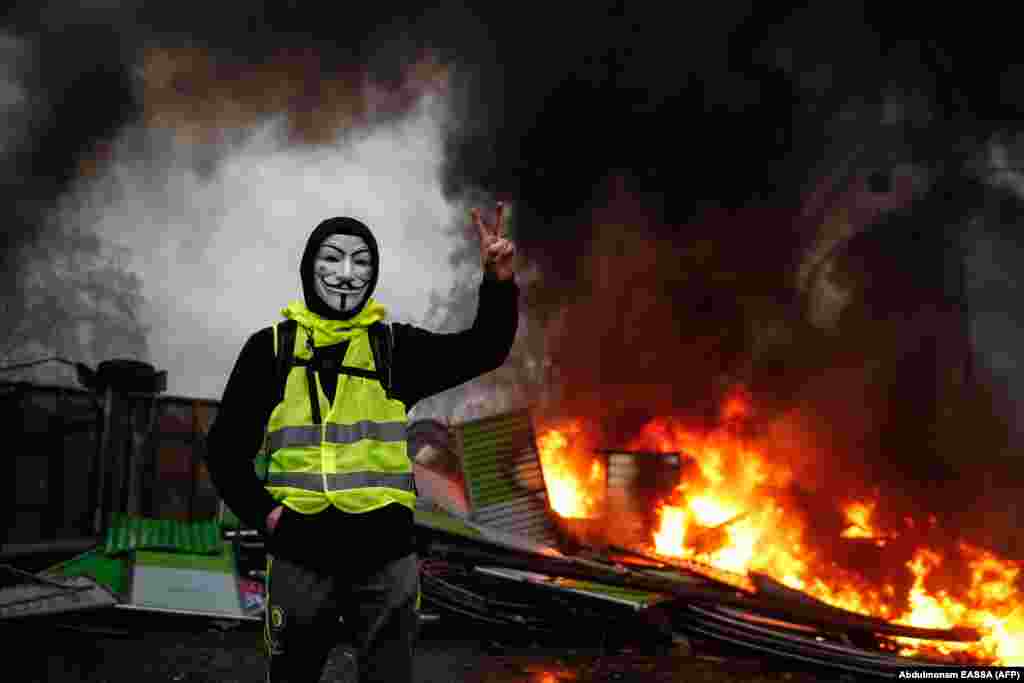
x=347, y=370
x=285, y=341
x=286, y=331
x=284, y=358
x=374, y=332
x=382, y=345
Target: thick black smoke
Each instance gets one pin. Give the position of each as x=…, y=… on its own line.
x=661, y=165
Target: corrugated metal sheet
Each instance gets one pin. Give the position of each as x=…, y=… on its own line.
x=503, y=476
x=150, y=463
x=634, y=480
x=631, y=473
x=636, y=599
x=128, y=532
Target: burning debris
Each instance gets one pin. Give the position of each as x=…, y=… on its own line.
x=737, y=507
x=565, y=470
x=716, y=546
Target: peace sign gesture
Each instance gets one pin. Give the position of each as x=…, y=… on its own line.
x=497, y=253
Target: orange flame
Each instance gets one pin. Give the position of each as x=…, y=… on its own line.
x=859, y=516
x=727, y=512
x=574, y=479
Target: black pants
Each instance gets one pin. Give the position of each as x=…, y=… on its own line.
x=380, y=611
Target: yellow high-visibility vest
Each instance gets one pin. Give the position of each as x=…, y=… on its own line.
x=357, y=459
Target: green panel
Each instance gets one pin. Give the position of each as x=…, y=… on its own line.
x=496, y=491
x=477, y=449
x=224, y=562
x=496, y=461
x=128, y=532
x=473, y=429
x=488, y=457
x=111, y=572
x=636, y=597
x=482, y=440
x=492, y=479
x=521, y=418
x=503, y=476
x=507, y=430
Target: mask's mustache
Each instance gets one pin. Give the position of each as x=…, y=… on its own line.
x=349, y=284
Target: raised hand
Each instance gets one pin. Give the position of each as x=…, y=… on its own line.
x=497, y=253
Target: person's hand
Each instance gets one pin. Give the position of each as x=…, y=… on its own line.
x=272, y=518
x=497, y=253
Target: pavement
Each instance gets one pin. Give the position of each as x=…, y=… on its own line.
x=95, y=648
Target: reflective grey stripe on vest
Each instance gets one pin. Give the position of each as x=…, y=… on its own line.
x=366, y=429
x=339, y=482
x=294, y=436
x=309, y=435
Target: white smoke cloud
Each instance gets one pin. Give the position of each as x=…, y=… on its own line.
x=216, y=233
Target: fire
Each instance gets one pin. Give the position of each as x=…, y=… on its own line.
x=728, y=511
x=859, y=516
x=990, y=606
x=574, y=479
x=671, y=534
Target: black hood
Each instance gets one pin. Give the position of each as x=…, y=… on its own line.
x=341, y=225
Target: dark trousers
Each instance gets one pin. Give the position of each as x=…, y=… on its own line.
x=379, y=609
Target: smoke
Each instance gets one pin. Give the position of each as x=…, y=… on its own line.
x=15, y=114
x=14, y=97
x=196, y=156
x=994, y=260
x=216, y=229
x=19, y=104
x=656, y=169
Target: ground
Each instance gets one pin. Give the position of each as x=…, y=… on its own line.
x=170, y=649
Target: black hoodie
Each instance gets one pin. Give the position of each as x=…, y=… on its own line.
x=423, y=364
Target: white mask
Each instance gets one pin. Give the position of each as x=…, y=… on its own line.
x=342, y=272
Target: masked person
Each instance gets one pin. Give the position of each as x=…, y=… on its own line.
x=338, y=496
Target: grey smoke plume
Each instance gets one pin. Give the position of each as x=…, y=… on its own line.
x=216, y=231
x=14, y=96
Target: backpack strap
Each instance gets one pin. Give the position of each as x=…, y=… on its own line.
x=284, y=352
x=382, y=344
